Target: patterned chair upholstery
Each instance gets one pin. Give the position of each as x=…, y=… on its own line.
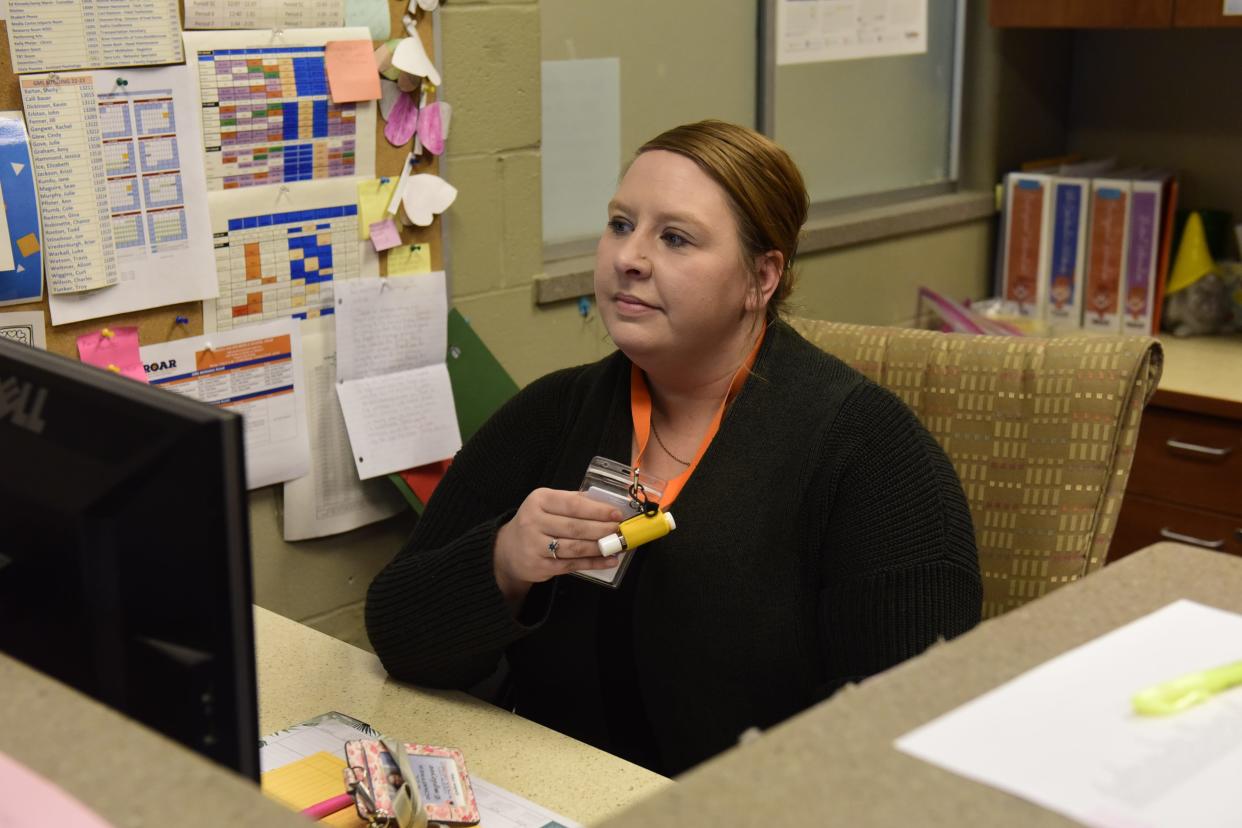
x=1041, y=431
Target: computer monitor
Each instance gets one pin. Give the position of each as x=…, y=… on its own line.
x=124, y=549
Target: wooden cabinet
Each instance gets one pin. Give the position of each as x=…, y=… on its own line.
x=1109, y=14
x=1186, y=482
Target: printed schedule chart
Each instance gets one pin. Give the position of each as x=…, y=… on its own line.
x=267, y=118
x=262, y=14
x=284, y=264
x=47, y=35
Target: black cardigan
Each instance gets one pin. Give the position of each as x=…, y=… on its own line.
x=823, y=537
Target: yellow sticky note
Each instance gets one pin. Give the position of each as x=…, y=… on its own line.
x=307, y=781
x=28, y=244
x=409, y=258
x=373, y=197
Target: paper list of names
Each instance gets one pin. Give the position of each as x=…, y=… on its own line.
x=63, y=118
x=264, y=14
x=51, y=35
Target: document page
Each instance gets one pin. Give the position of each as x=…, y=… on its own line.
x=62, y=115
x=48, y=35
x=146, y=134
x=263, y=14
x=331, y=498
x=1064, y=735
x=392, y=380
x=257, y=372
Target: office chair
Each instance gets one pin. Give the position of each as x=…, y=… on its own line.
x=1041, y=431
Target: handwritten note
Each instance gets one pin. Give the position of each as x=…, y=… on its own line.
x=114, y=349
x=352, y=74
x=373, y=197
x=409, y=258
x=393, y=383
x=385, y=235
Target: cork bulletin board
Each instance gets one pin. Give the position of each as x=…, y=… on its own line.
x=160, y=324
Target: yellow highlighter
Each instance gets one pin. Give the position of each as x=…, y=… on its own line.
x=636, y=531
x=1186, y=691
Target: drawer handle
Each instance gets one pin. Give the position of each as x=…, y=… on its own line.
x=1169, y=534
x=1210, y=451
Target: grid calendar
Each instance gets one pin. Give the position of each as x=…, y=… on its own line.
x=163, y=190
x=155, y=117
x=127, y=231
x=284, y=264
x=166, y=227
x=268, y=119
x=119, y=158
x=114, y=120
x=123, y=194
x=159, y=154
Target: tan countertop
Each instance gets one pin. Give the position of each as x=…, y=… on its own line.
x=1205, y=366
x=835, y=764
x=303, y=673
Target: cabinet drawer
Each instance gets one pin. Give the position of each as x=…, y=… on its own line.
x=1144, y=521
x=1191, y=459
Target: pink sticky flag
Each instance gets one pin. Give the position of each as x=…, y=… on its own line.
x=351, y=69
x=26, y=798
x=114, y=349
x=402, y=120
x=431, y=128
x=385, y=235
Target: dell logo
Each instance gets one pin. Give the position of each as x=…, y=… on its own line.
x=22, y=404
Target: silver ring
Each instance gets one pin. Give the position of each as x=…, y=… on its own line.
x=552, y=547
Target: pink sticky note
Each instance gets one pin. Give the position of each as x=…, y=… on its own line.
x=118, y=352
x=352, y=73
x=385, y=235
x=402, y=119
x=431, y=128
x=26, y=798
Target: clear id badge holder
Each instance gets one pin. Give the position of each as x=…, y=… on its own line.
x=617, y=485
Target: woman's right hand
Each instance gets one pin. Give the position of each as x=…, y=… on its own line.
x=571, y=519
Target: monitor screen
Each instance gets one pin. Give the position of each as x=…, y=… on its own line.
x=124, y=549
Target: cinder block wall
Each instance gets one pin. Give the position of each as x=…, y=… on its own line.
x=495, y=236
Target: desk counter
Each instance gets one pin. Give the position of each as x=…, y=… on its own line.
x=1203, y=366
x=836, y=765
x=303, y=673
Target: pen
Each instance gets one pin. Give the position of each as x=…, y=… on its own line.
x=329, y=806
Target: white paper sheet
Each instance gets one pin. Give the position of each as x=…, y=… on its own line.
x=810, y=31
x=581, y=145
x=147, y=136
x=1064, y=736
x=255, y=371
x=263, y=14
x=275, y=123
x=50, y=35
x=280, y=253
x=63, y=119
x=392, y=380
x=24, y=327
x=331, y=498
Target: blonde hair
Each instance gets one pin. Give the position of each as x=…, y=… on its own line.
x=765, y=189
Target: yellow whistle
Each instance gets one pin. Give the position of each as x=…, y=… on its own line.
x=636, y=531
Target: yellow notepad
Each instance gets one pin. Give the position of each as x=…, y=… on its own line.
x=307, y=781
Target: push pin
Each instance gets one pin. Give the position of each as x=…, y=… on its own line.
x=113, y=368
x=107, y=333
x=181, y=320
x=122, y=82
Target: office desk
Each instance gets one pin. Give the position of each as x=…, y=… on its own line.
x=836, y=765
x=303, y=673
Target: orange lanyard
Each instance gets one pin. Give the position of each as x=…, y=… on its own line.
x=640, y=411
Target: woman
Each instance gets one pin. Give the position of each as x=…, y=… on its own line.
x=822, y=535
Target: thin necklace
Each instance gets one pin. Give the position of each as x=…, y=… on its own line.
x=661, y=442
